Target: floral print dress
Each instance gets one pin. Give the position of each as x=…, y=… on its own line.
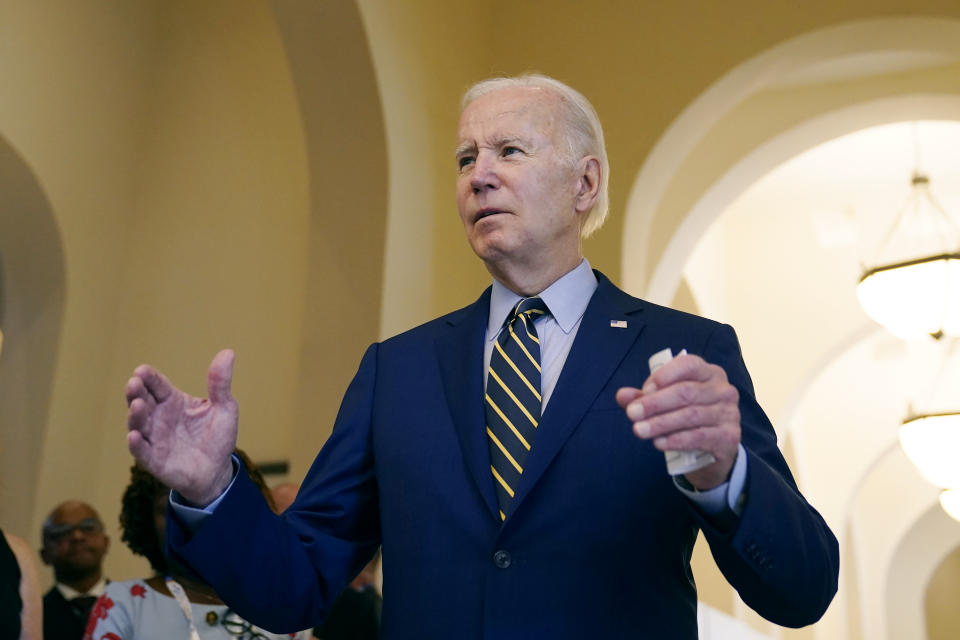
x=133, y=610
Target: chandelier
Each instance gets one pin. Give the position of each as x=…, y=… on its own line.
x=931, y=439
x=950, y=501
x=932, y=443
x=914, y=288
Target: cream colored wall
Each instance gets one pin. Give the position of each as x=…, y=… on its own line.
x=943, y=618
x=426, y=54
x=217, y=236
x=31, y=313
x=73, y=95
x=330, y=60
x=709, y=154
x=170, y=146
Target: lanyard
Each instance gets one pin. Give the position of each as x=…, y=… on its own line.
x=181, y=597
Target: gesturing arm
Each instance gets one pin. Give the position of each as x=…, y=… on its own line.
x=283, y=572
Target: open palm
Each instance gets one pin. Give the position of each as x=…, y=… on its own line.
x=183, y=441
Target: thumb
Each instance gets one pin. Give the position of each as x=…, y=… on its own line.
x=219, y=377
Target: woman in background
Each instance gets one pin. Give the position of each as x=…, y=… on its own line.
x=171, y=604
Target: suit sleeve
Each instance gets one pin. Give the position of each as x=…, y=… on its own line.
x=283, y=573
x=781, y=556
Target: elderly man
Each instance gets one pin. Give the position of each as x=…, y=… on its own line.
x=503, y=454
x=74, y=544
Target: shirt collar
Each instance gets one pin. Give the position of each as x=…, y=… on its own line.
x=69, y=593
x=567, y=299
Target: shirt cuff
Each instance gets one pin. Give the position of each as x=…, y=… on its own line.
x=193, y=517
x=725, y=496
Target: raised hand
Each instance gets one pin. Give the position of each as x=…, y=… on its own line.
x=688, y=404
x=184, y=442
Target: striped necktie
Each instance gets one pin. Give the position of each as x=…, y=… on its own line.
x=512, y=399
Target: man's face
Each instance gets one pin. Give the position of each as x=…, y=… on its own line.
x=516, y=187
x=73, y=541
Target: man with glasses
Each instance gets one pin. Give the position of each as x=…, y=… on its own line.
x=74, y=544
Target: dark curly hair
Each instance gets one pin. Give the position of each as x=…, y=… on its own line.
x=136, y=517
x=136, y=512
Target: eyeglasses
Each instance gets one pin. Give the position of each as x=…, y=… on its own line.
x=240, y=628
x=59, y=532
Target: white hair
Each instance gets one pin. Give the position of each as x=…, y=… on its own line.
x=582, y=130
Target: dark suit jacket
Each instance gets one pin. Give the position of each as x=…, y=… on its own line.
x=354, y=616
x=597, y=542
x=60, y=621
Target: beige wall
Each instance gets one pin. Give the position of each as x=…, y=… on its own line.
x=940, y=603
x=74, y=94
x=277, y=178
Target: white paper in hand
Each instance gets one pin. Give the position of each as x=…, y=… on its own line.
x=679, y=462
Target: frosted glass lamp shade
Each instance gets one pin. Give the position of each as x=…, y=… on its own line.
x=916, y=298
x=950, y=501
x=932, y=443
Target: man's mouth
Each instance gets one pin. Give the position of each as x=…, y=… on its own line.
x=485, y=213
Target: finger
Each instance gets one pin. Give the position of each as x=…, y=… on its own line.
x=139, y=447
x=687, y=418
x=220, y=377
x=685, y=367
x=155, y=382
x=681, y=394
x=722, y=442
x=138, y=415
x=135, y=389
x=626, y=395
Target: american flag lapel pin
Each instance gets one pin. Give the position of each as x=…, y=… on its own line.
x=618, y=324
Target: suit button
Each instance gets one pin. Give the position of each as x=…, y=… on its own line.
x=501, y=559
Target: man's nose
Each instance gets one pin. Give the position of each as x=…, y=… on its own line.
x=484, y=176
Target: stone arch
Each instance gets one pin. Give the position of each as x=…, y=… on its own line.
x=334, y=76
x=748, y=169
x=32, y=290
x=928, y=542
x=718, y=144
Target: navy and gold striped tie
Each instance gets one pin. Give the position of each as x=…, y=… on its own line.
x=512, y=400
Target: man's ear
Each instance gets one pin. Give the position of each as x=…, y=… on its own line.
x=45, y=555
x=589, y=176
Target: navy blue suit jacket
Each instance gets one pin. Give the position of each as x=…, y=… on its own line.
x=598, y=539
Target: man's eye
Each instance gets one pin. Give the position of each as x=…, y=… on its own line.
x=509, y=151
x=463, y=161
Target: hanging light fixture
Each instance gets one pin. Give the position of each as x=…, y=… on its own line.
x=912, y=283
x=914, y=289
x=931, y=439
x=932, y=443
x=950, y=501
x=919, y=294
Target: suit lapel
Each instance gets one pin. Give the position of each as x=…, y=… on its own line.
x=597, y=351
x=460, y=353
